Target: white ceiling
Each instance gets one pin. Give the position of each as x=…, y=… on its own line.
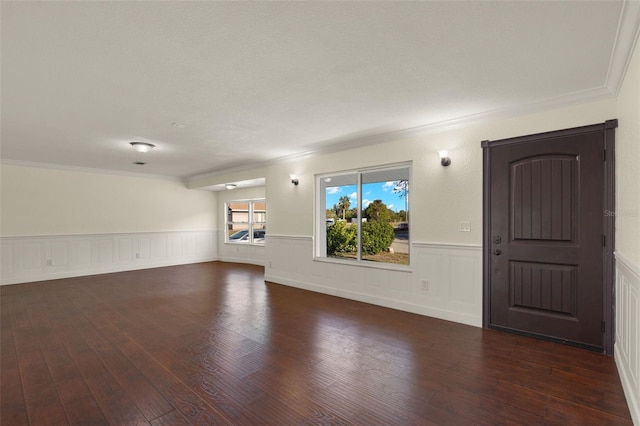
x=217, y=85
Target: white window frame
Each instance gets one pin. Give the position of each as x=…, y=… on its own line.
x=250, y=222
x=320, y=246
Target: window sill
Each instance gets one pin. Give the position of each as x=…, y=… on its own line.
x=243, y=244
x=365, y=264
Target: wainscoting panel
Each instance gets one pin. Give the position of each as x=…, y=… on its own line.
x=189, y=242
x=444, y=281
x=58, y=255
x=28, y=256
x=627, y=346
x=240, y=253
x=6, y=257
x=26, y=259
x=158, y=247
x=103, y=251
x=125, y=250
x=449, y=279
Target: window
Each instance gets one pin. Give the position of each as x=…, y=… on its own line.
x=246, y=222
x=377, y=231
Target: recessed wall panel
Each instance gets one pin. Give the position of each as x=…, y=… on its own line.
x=544, y=198
x=542, y=286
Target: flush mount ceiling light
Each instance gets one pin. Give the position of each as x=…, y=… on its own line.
x=142, y=146
x=230, y=185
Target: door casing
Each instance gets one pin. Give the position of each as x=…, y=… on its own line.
x=608, y=297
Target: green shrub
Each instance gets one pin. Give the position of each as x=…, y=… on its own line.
x=376, y=236
x=341, y=239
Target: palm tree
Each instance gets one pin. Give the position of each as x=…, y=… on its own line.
x=344, y=203
x=402, y=189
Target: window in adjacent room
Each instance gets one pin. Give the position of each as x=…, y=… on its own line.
x=364, y=215
x=246, y=221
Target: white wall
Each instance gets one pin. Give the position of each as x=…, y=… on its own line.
x=627, y=346
x=627, y=160
x=59, y=223
x=440, y=197
x=42, y=201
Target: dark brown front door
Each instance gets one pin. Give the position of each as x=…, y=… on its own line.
x=545, y=235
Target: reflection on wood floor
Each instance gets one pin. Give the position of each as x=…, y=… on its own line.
x=212, y=343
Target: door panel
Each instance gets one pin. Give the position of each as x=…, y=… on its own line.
x=543, y=287
x=544, y=198
x=546, y=228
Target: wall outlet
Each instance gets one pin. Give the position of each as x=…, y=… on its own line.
x=465, y=226
x=424, y=285
x=270, y=265
x=49, y=262
x=137, y=255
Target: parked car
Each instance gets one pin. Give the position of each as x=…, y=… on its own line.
x=404, y=226
x=243, y=236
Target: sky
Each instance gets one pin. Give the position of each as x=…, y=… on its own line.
x=370, y=191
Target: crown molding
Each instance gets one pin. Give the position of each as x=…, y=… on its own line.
x=348, y=143
x=64, y=167
x=626, y=38
x=345, y=144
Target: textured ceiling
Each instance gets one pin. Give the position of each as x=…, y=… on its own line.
x=217, y=85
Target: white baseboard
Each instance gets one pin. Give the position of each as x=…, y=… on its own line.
x=258, y=262
x=81, y=273
x=380, y=301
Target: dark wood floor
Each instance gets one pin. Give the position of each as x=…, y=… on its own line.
x=211, y=343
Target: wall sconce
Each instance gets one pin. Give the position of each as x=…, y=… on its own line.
x=142, y=146
x=230, y=185
x=444, y=158
x=294, y=179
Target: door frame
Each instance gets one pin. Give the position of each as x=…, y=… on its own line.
x=608, y=156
